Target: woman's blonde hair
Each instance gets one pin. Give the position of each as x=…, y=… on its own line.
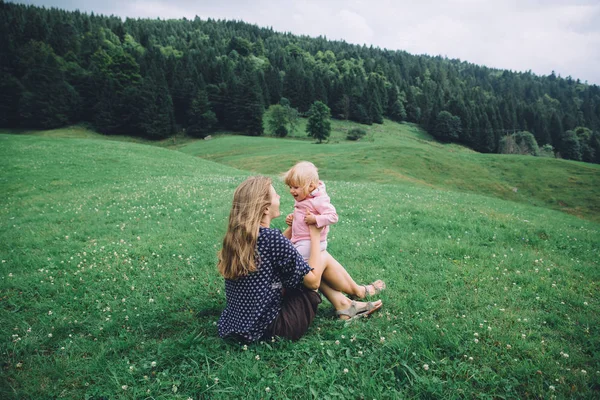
x=302, y=175
x=238, y=257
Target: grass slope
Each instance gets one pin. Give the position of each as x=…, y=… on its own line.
x=395, y=153
x=108, y=287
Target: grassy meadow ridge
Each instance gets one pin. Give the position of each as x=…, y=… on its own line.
x=109, y=289
x=403, y=153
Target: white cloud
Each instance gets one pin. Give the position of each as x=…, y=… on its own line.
x=353, y=28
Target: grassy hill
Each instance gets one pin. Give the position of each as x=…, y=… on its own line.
x=401, y=153
x=108, y=285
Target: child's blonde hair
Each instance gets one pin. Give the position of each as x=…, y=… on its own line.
x=302, y=175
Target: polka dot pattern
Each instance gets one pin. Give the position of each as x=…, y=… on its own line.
x=253, y=301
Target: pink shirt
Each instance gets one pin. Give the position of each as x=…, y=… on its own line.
x=318, y=203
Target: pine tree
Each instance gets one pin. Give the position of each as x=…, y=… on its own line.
x=156, y=117
x=201, y=119
x=47, y=101
x=11, y=91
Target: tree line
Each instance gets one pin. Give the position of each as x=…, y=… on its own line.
x=153, y=77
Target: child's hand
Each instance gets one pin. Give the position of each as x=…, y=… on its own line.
x=309, y=218
x=289, y=219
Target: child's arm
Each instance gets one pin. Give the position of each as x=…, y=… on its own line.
x=327, y=213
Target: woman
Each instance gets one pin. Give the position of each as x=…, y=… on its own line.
x=270, y=289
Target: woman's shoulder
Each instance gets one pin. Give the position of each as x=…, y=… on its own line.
x=271, y=235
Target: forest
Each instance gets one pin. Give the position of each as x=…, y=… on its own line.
x=155, y=78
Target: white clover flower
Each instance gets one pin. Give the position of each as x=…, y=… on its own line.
x=426, y=367
x=124, y=387
x=551, y=387
x=153, y=364
x=508, y=346
x=583, y=371
x=345, y=370
x=257, y=357
x=267, y=389
x=337, y=342
x=244, y=347
x=476, y=334
x=476, y=340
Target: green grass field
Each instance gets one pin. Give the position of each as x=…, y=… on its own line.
x=109, y=289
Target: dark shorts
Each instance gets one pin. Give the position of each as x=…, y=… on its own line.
x=297, y=313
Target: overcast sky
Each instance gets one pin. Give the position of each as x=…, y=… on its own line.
x=520, y=35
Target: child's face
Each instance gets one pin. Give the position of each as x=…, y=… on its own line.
x=300, y=193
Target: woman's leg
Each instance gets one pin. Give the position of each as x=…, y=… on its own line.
x=298, y=310
x=337, y=278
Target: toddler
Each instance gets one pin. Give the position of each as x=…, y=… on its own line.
x=312, y=206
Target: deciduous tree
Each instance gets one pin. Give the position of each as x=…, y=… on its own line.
x=319, y=124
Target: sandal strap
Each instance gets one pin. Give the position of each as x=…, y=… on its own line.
x=350, y=311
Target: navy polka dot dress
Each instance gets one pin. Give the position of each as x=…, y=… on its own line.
x=253, y=301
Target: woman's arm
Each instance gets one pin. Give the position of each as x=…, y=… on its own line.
x=288, y=233
x=289, y=220
x=312, y=280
